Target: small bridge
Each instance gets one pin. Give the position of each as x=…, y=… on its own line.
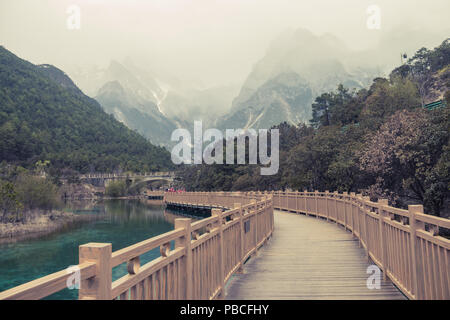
x=248, y=251
x=102, y=179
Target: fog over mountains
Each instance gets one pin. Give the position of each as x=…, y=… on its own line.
x=297, y=67
x=153, y=106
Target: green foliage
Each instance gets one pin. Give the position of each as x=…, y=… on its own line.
x=23, y=192
x=425, y=62
x=41, y=166
x=43, y=117
x=333, y=108
x=9, y=202
x=36, y=192
x=386, y=97
x=116, y=189
x=404, y=155
x=370, y=107
x=423, y=65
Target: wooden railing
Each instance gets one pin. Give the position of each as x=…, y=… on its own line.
x=159, y=193
x=127, y=175
x=218, y=199
x=405, y=244
x=196, y=259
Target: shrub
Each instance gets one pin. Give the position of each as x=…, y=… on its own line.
x=116, y=189
x=36, y=192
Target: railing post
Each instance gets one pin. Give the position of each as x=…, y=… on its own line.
x=345, y=198
x=335, y=195
x=279, y=200
x=185, y=242
x=272, y=218
x=358, y=203
x=218, y=213
x=316, y=195
x=381, y=215
x=241, y=233
x=352, y=204
x=286, y=197
x=262, y=218
x=306, y=201
x=366, y=234
x=98, y=287
x=296, y=201
x=326, y=204
x=255, y=207
x=417, y=267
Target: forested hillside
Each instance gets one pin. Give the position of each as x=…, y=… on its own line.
x=379, y=141
x=44, y=116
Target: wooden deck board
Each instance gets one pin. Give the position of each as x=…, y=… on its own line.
x=308, y=258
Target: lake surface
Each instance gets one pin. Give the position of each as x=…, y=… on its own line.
x=119, y=222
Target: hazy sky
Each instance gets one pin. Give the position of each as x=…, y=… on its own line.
x=212, y=41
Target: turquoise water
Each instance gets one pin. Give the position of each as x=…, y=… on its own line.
x=119, y=222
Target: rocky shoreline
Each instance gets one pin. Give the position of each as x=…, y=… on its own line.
x=39, y=225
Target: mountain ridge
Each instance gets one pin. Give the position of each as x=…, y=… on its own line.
x=127, y=108
x=317, y=64
x=44, y=116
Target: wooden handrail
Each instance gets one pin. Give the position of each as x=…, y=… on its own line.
x=45, y=286
x=135, y=250
x=405, y=244
x=124, y=175
x=196, y=259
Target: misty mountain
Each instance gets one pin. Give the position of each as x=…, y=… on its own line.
x=135, y=112
x=132, y=95
x=153, y=104
x=297, y=67
x=280, y=99
x=207, y=105
x=182, y=101
x=142, y=86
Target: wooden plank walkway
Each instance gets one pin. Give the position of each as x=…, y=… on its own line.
x=308, y=258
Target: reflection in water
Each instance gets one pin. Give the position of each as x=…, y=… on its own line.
x=119, y=222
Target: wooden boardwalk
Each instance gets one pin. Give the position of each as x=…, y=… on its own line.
x=308, y=258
